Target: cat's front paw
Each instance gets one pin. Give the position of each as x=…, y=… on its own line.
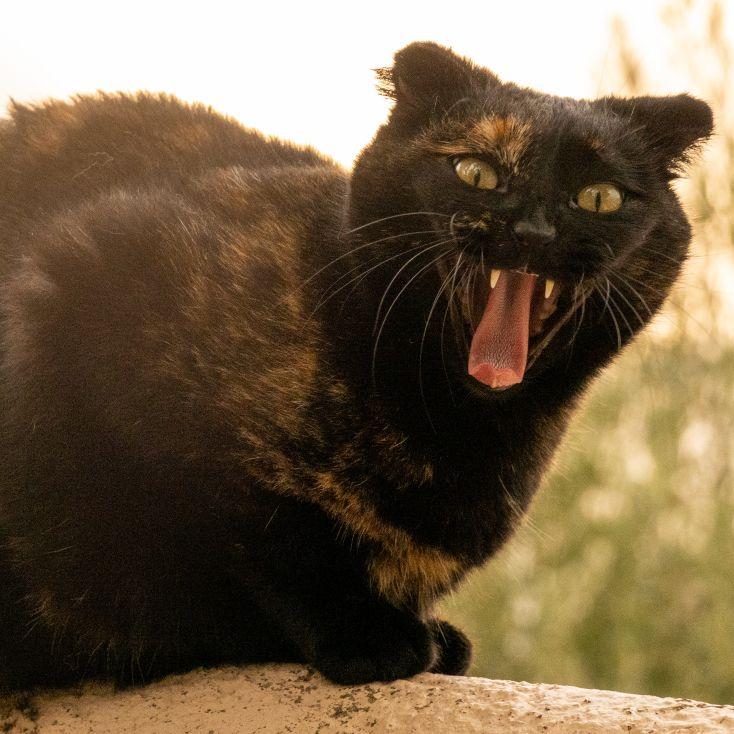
x=384, y=654
x=454, y=649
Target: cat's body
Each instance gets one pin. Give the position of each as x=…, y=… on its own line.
x=205, y=458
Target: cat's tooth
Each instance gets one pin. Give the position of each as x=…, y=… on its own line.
x=493, y=278
x=550, y=284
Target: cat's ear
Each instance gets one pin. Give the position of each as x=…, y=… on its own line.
x=673, y=126
x=428, y=78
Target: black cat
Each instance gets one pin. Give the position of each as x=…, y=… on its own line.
x=256, y=408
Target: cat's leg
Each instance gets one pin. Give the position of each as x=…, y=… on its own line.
x=317, y=593
x=352, y=637
x=454, y=653
x=393, y=646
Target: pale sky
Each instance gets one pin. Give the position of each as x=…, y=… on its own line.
x=303, y=70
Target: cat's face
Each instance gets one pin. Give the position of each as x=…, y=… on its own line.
x=546, y=216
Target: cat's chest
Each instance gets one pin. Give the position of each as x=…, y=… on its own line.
x=425, y=530
x=410, y=574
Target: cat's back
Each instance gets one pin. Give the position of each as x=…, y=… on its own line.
x=56, y=153
x=117, y=173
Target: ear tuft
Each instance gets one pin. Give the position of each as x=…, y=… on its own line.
x=385, y=83
x=674, y=127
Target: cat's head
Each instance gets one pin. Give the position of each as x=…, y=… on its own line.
x=545, y=218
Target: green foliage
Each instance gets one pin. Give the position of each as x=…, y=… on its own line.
x=623, y=576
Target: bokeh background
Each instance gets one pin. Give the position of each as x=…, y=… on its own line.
x=623, y=576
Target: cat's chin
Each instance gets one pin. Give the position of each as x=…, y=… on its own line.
x=495, y=394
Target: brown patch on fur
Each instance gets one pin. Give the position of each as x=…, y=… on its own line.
x=257, y=245
x=414, y=573
x=595, y=144
x=507, y=138
x=408, y=471
x=402, y=571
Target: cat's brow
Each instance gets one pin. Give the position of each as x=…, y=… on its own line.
x=505, y=137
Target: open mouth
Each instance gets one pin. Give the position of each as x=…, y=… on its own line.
x=514, y=315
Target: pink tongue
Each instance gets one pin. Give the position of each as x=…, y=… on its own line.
x=499, y=348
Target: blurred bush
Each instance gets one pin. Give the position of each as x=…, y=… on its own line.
x=622, y=578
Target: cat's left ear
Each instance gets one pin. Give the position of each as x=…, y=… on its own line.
x=673, y=126
x=427, y=79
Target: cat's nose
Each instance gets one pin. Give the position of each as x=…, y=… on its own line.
x=535, y=228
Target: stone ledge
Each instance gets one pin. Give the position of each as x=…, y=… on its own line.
x=290, y=698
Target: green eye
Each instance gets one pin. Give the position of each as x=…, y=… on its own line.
x=476, y=172
x=601, y=197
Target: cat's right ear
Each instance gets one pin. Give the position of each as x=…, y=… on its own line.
x=427, y=79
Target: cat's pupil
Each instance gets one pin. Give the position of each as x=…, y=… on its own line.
x=477, y=175
x=598, y=200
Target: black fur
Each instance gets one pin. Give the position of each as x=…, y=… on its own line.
x=208, y=454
